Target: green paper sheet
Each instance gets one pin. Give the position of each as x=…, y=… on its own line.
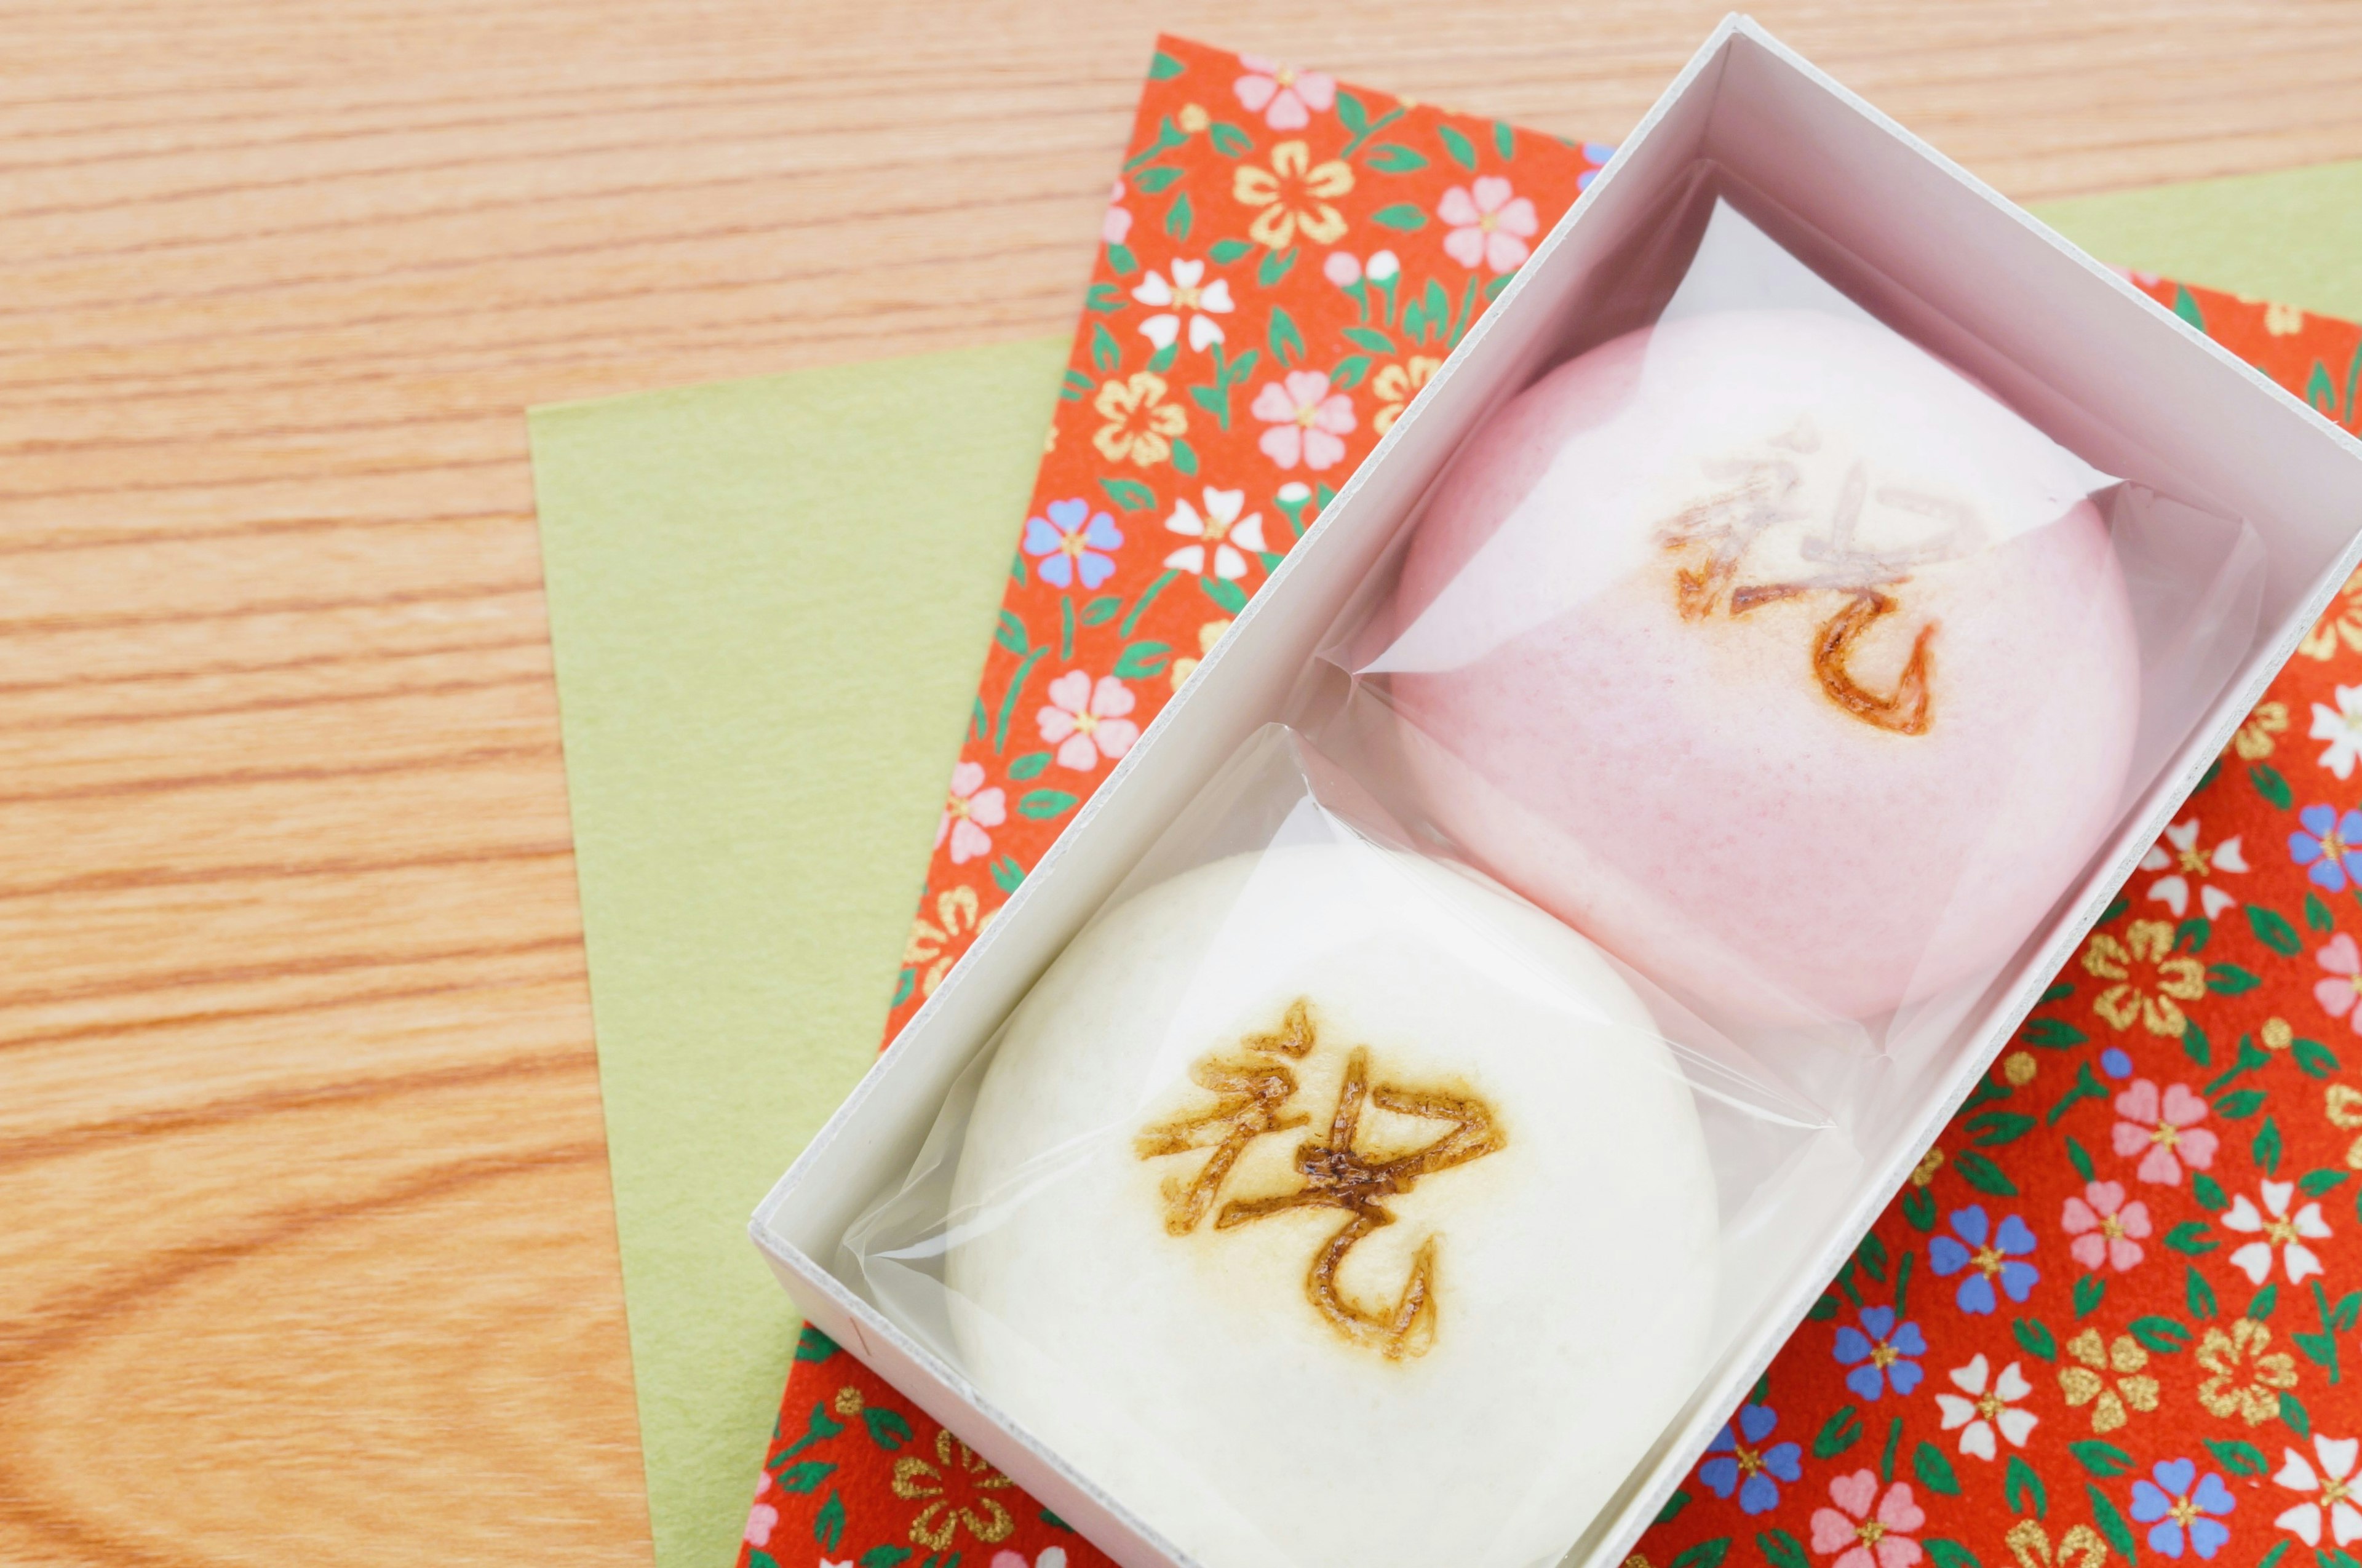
x=770, y=600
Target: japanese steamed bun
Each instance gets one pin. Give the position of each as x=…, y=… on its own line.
x=1442, y=1296
x=1774, y=654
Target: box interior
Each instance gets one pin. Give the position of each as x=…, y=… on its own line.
x=2071, y=345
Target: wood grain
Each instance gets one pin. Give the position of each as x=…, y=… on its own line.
x=308, y=1245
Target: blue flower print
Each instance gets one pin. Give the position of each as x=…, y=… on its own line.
x=1876, y=1352
x=1737, y=1461
x=1072, y=542
x=2176, y=1504
x=2115, y=1063
x=1985, y=1263
x=2330, y=845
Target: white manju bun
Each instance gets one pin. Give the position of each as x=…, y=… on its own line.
x=1186, y=1358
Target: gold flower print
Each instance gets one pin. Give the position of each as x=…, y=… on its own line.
x=1141, y=424
x=2244, y=1374
x=2344, y=1107
x=1394, y=385
x=1923, y=1174
x=1294, y=195
x=2080, y=1546
x=1253, y=1096
x=2342, y=623
x=2151, y=980
x=2108, y=1378
x=2283, y=320
x=2254, y=740
x=952, y=1488
x=956, y=916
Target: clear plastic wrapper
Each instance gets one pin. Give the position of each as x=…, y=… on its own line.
x=1779, y=655
x=1326, y=1202
x=1381, y=1173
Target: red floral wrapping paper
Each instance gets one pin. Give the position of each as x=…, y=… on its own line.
x=2112, y=1315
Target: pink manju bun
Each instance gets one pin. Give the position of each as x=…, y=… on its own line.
x=1776, y=656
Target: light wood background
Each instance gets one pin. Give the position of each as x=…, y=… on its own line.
x=306, y=1246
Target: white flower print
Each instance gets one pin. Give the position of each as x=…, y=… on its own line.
x=1087, y=722
x=1221, y=529
x=2333, y=1486
x=968, y=810
x=1976, y=1417
x=2342, y=728
x=2278, y=1228
x=1187, y=294
x=2180, y=853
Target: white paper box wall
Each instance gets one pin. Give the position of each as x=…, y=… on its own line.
x=2134, y=391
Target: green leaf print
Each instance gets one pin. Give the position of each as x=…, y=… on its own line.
x=806, y=1476
x=2187, y=309
x=2273, y=930
x=1951, y=1554
x=1839, y=1433
x=2189, y=1238
x=828, y=1525
x=2090, y=1291
x=1274, y=267
x=1392, y=158
x=1224, y=592
x=2163, y=1335
x=2112, y=1523
x=2033, y=1338
x=1229, y=139
x=1705, y=1554
x=1350, y=371
x=2197, y=1293
x=1041, y=805
x=885, y=1557
x=1106, y=354
x=2313, y=1058
x=1185, y=456
x=1162, y=66
x=1672, y=1508
x=2267, y=1147
x=2021, y=1488
x=1782, y=1549
x=1225, y=251
x=1155, y=181
x=1458, y=147
x=1030, y=766
x=1285, y=337
x=1934, y=1471
x=2239, y=1458
x=1505, y=140
x=2270, y=785
x=1142, y=658
x=1402, y=218
x=888, y=1430
x=1983, y=1174
x=2230, y=981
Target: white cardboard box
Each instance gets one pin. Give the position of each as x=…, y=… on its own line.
x=2135, y=390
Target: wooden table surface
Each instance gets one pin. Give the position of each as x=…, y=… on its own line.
x=305, y=1243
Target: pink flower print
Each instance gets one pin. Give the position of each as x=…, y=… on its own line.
x=2163, y=1131
x=1220, y=531
x=1285, y=98
x=2106, y=1229
x=1051, y=1557
x=762, y=1518
x=1085, y=722
x=1307, y=421
x=2275, y=1227
x=1188, y=293
x=2191, y=864
x=1115, y=224
x=1864, y=1539
x=968, y=810
x=1489, y=224
x=2337, y=994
